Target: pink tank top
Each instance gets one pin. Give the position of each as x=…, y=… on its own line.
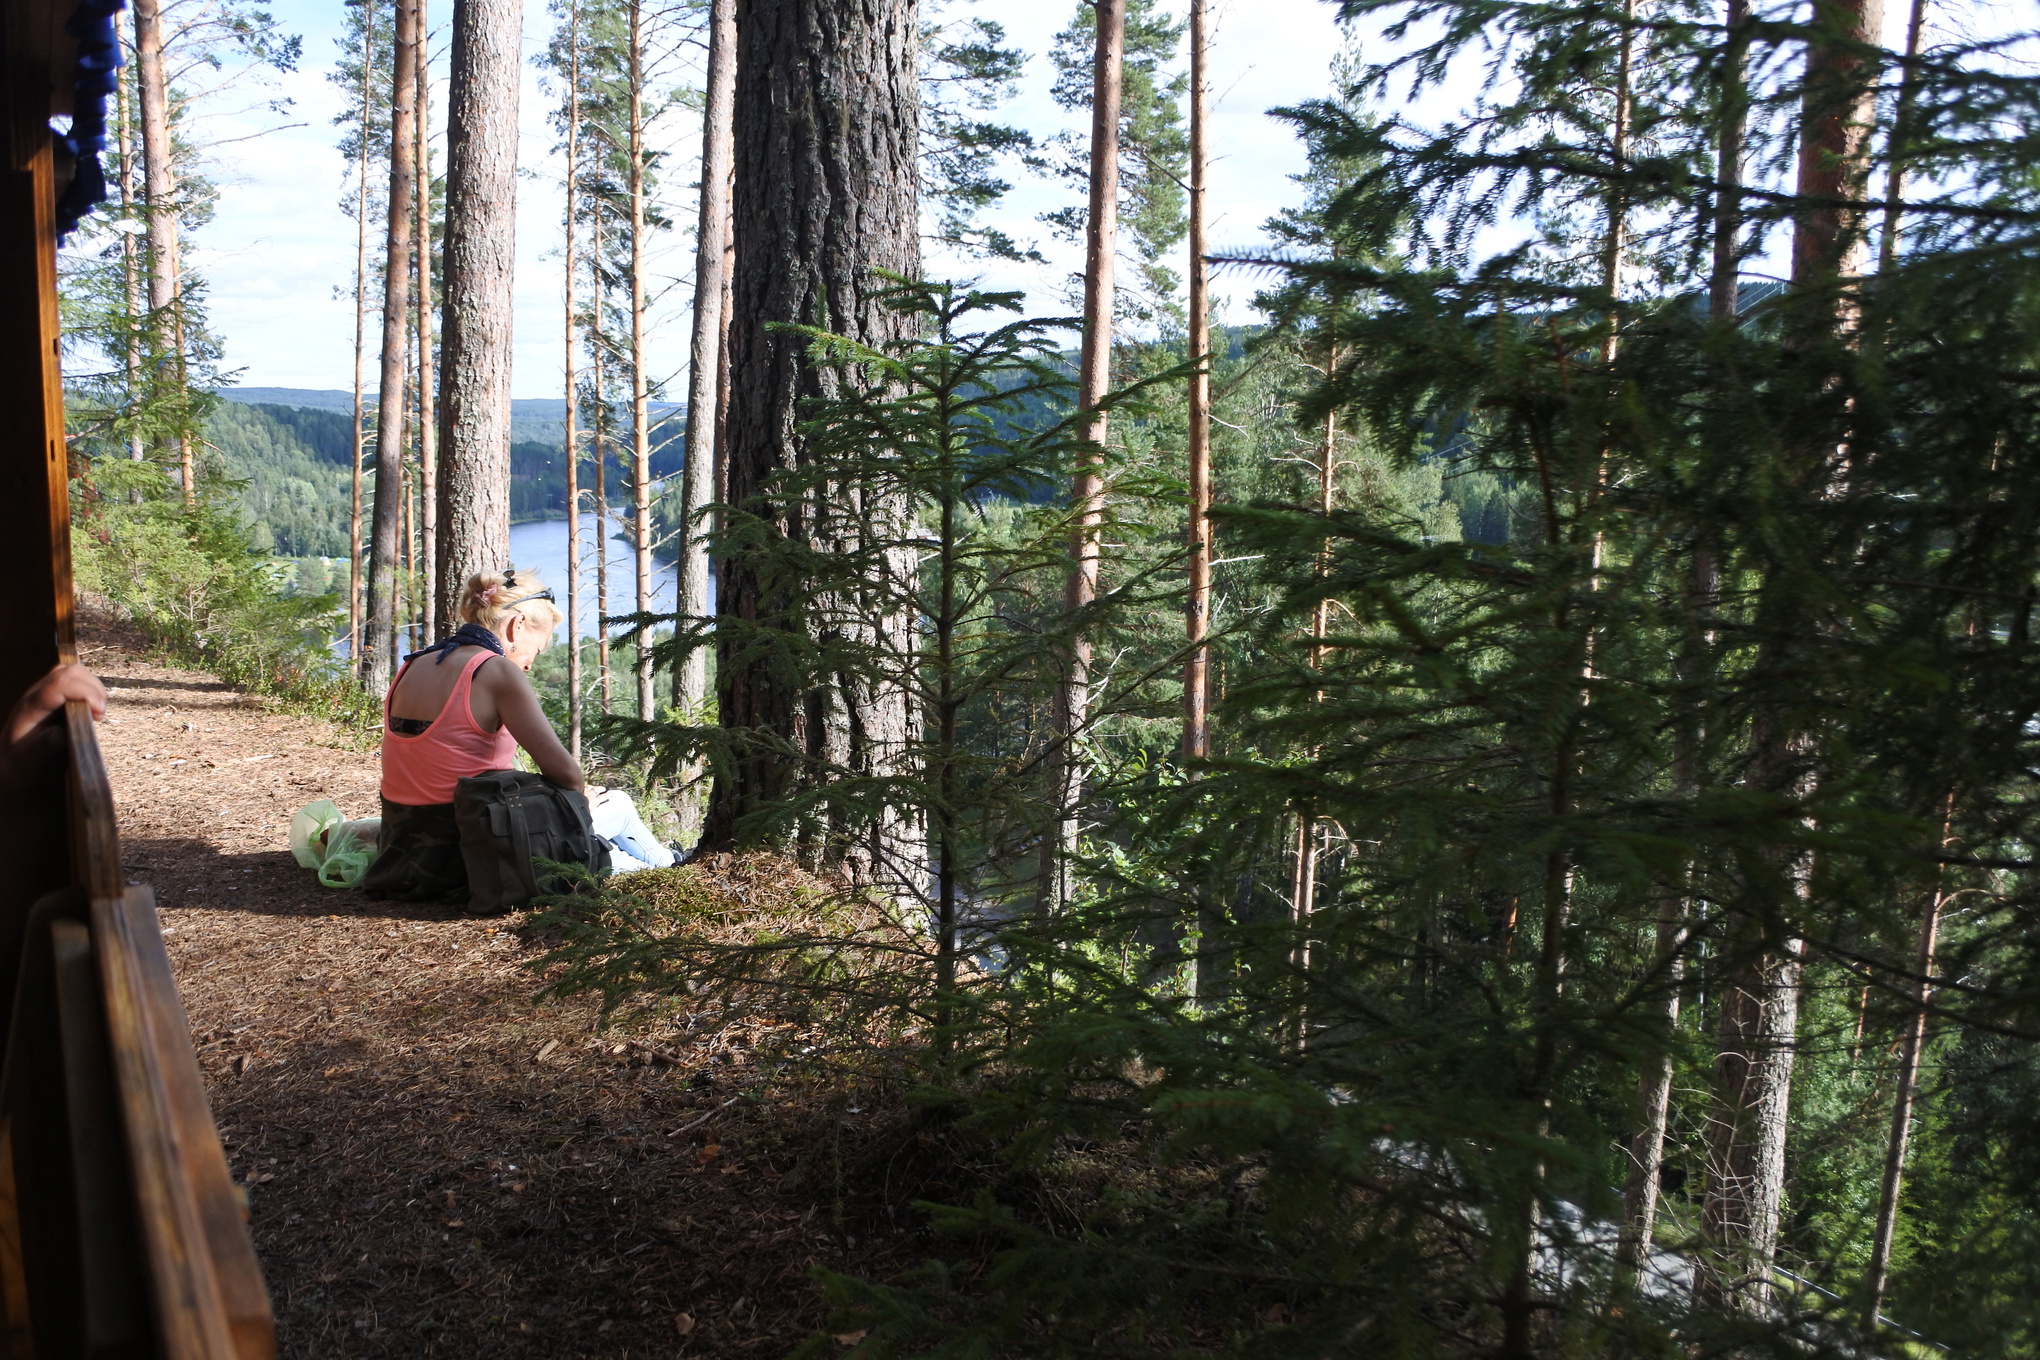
x=420, y=771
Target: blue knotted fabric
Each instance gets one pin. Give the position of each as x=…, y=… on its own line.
x=96, y=75
x=470, y=635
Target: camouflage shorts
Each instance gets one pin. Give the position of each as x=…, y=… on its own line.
x=417, y=855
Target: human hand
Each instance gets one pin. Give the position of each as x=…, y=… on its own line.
x=51, y=693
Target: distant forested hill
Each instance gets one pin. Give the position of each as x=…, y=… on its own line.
x=292, y=462
x=292, y=458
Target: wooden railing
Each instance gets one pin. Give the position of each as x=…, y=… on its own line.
x=121, y=1230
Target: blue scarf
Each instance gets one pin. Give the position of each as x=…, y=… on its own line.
x=470, y=635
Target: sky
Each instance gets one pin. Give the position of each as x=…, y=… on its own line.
x=279, y=255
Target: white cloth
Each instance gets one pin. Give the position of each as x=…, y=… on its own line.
x=633, y=846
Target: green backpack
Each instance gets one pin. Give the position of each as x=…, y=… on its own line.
x=508, y=820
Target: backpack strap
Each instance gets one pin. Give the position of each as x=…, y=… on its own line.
x=520, y=832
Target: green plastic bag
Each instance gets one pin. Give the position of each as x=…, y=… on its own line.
x=347, y=859
x=308, y=830
x=322, y=839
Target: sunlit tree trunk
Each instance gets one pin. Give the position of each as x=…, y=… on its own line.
x=428, y=436
x=130, y=254
x=354, y=582
x=159, y=194
x=1760, y=998
x=598, y=436
x=697, y=481
x=573, y=111
x=379, y=637
x=640, y=386
x=479, y=266
x=1087, y=489
x=1197, y=609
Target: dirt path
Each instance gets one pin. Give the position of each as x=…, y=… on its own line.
x=435, y=1166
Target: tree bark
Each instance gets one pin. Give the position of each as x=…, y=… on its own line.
x=1101, y=232
x=640, y=386
x=430, y=616
x=1899, y=147
x=598, y=436
x=159, y=194
x=697, y=478
x=1837, y=112
x=130, y=261
x=573, y=396
x=1911, y=1045
x=1197, y=607
x=1760, y=1000
x=479, y=266
x=379, y=633
x=354, y=583
x=826, y=112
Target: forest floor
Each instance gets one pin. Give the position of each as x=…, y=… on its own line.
x=435, y=1163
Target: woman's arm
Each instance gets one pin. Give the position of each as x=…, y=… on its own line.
x=517, y=707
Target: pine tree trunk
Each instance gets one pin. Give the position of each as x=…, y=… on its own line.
x=159, y=194
x=479, y=266
x=826, y=110
x=1760, y=1000
x=429, y=617
x=354, y=582
x=573, y=451
x=640, y=387
x=1101, y=232
x=130, y=260
x=697, y=478
x=1911, y=1044
x=1197, y=607
x=1837, y=113
x=598, y=435
x=379, y=633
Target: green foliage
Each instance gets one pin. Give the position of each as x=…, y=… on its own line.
x=966, y=72
x=1154, y=149
x=288, y=479
x=193, y=580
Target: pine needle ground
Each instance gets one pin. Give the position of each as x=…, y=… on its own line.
x=437, y=1165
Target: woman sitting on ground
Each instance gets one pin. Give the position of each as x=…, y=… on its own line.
x=463, y=707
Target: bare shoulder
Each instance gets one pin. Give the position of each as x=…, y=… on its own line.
x=499, y=674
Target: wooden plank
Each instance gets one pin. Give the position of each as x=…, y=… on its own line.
x=17, y=1342
x=191, y=1318
x=95, y=828
x=35, y=551
x=232, y=1252
x=112, y=1279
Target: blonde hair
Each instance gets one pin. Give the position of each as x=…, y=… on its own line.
x=493, y=596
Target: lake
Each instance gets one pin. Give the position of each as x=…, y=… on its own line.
x=541, y=546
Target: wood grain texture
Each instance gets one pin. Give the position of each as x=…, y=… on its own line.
x=227, y=1245
x=191, y=1317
